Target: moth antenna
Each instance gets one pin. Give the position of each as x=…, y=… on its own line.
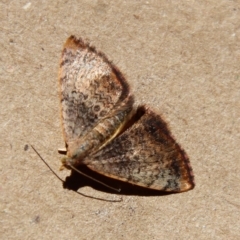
x=94, y=179
x=46, y=163
x=100, y=199
x=76, y=170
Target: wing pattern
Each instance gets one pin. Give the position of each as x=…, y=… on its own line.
x=90, y=88
x=147, y=155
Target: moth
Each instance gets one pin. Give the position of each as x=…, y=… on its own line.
x=104, y=130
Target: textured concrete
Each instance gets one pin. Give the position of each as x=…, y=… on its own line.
x=182, y=59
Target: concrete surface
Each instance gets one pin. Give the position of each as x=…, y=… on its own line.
x=181, y=58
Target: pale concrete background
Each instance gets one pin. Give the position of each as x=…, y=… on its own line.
x=181, y=58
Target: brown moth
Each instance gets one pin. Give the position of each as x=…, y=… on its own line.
x=106, y=132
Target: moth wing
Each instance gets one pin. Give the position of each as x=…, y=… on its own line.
x=90, y=88
x=146, y=155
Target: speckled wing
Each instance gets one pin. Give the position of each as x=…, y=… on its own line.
x=90, y=87
x=146, y=155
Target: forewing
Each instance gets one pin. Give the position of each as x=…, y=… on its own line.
x=90, y=87
x=146, y=155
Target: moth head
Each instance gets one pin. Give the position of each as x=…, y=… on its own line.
x=66, y=163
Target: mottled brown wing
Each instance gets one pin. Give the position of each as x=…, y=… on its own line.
x=90, y=87
x=146, y=155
